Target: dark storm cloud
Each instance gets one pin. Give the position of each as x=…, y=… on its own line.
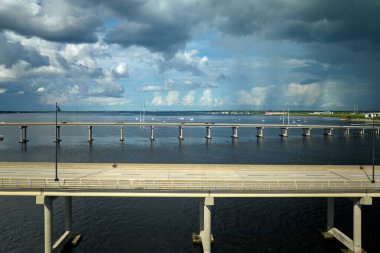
x=11, y=53
x=323, y=21
x=160, y=27
x=166, y=38
x=61, y=21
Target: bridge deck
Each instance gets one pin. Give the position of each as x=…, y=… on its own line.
x=194, y=178
x=190, y=124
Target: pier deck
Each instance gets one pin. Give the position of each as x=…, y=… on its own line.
x=204, y=181
x=190, y=179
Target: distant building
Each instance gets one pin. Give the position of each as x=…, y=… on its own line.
x=276, y=113
x=322, y=113
x=371, y=115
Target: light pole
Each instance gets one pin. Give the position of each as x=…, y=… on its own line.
x=373, y=148
x=56, y=141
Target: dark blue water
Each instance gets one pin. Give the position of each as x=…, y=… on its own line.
x=166, y=225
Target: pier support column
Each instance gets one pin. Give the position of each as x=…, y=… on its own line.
x=205, y=237
x=121, y=134
x=58, y=134
x=330, y=213
x=260, y=132
x=362, y=132
x=48, y=222
x=346, y=132
x=284, y=132
x=68, y=213
x=151, y=133
x=90, y=139
x=208, y=132
x=23, y=137
x=234, y=132
x=328, y=131
x=357, y=229
x=180, y=136
x=354, y=245
x=306, y=131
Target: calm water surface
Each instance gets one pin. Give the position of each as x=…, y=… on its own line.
x=166, y=225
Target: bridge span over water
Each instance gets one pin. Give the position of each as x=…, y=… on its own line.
x=359, y=129
x=208, y=182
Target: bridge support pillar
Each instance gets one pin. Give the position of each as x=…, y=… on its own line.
x=90, y=139
x=58, y=134
x=23, y=138
x=48, y=223
x=234, y=132
x=151, y=133
x=205, y=237
x=306, y=131
x=362, y=132
x=354, y=245
x=346, y=132
x=208, y=132
x=284, y=132
x=328, y=131
x=121, y=134
x=180, y=136
x=260, y=132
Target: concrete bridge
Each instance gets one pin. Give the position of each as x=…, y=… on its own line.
x=208, y=182
x=306, y=130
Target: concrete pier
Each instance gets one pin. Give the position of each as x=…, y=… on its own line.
x=353, y=245
x=208, y=132
x=327, y=131
x=306, y=131
x=205, y=237
x=48, y=224
x=58, y=134
x=151, y=133
x=346, y=131
x=121, y=134
x=330, y=213
x=284, y=132
x=260, y=132
x=180, y=135
x=23, y=137
x=90, y=139
x=234, y=132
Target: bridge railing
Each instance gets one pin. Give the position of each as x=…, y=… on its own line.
x=183, y=185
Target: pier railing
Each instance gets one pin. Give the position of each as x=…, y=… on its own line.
x=186, y=185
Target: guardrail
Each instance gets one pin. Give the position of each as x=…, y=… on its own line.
x=184, y=185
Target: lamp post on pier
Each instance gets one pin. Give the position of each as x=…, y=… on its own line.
x=373, y=148
x=56, y=141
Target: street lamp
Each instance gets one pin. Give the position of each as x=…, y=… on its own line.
x=373, y=148
x=56, y=141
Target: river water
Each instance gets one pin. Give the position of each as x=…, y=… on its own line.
x=166, y=224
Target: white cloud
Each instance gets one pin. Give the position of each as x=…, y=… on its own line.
x=189, y=98
x=206, y=98
x=256, y=96
x=303, y=95
x=41, y=90
x=151, y=88
x=172, y=97
x=157, y=99
x=121, y=69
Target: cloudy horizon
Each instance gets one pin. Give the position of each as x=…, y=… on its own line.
x=189, y=55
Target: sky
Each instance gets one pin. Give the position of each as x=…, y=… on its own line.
x=190, y=55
